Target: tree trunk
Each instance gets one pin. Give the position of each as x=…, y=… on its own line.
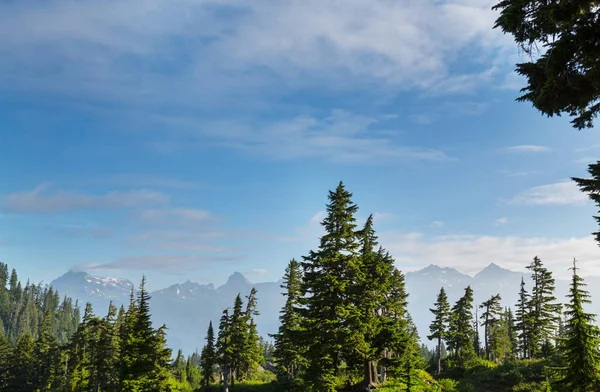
x=439, y=355
x=368, y=374
x=225, y=380
x=383, y=371
x=375, y=378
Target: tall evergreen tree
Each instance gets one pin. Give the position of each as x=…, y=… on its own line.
x=460, y=341
x=512, y=332
x=288, y=353
x=439, y=326
x=543, y=308
x=46, y=357
x=582, y=341
x=208, y=358
x=523, y=322
x=325, y=288
x=225, y=348
x=146, y=358
x=490, y=316
x=251, y=355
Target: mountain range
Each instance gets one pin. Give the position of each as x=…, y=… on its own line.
x=187, y=308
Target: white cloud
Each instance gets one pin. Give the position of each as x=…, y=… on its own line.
x=528, y=148
x=501, y=221
x=230, y=45
x=437, y=224
x=42, y=200
x=383, y=217
x=174, y=217
x=159, y=262
x=560, y=193
x=340, y=137
x=471, y=253
x=586, y=160
x=255, y=271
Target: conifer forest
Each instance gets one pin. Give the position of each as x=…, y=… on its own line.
x=345, y=325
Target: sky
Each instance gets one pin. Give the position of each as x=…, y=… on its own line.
x=188, y=139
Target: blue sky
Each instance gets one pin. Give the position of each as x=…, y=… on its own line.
x=190, y=139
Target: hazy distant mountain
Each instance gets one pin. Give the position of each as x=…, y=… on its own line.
x=187, y=308
x=97, y=290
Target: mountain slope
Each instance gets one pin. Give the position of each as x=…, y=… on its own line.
x=187, y=308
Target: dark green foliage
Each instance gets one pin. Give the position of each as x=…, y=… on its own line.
x=288, y=352
x=461, y=331
x=324, y=290
x=490, y=320
x=208, y=358
x=543, y=309
x=523, y=322
x=581, y=342
x=565, y=78
x=591, y=186
x=439, y=326
x=238, y=350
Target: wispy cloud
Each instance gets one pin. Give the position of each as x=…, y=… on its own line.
x=232, y=45
x=338, y=137
x=43, y=200
x=175, y=217
x=470, y=253
x=160, y=262
x=586, y=160
x=255, y=271
x=197, y=241
x=560, y=193
x=588, y=148
x=147, y=181
x=527, y=148
x=501, y=221
x=437, y=224
x=84, y=230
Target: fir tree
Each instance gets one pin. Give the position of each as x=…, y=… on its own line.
x=581, y=342
x=179, y=369
x=208, y=358
x=523, y=322
x=460, y=340
x=512, y=333
x=46, y=357
x=324, y=288
x=439, y=326
x=543, y=308
x=225, y=348
x=491, y=315
x=288, y=353
x=251, y=355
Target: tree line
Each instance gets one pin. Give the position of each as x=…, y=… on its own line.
x=536, y=331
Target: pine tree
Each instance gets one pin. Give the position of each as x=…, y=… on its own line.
x=5, y=357
x=225, y=348
x=21, y=370
x=439, y=326
x=490, y=317
x=500, y=344
x=251, y=354
x=512, y=333
x=179, y=367
x=582, y=341
x=460, y=340
x=288, y=353
x=324, y=288
x=523, y=322
x=146, y=359
x=45, y=357
x=542, y=307
x=208, y=358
